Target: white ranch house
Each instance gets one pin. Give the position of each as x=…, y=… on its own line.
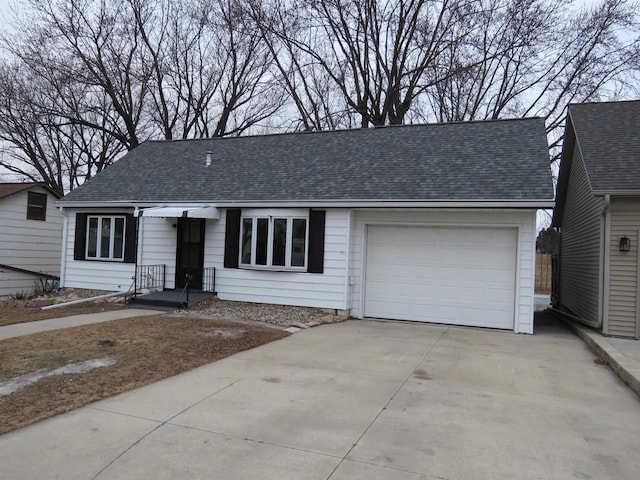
x=432, y=223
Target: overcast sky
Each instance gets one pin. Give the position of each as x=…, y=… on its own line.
x=5, y=9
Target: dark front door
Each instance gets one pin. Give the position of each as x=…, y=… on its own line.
x=190, y=252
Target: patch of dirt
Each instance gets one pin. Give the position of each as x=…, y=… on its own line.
x=21, y=311
x=282, y=315
x=144, y=350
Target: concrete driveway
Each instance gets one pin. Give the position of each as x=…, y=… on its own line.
x=357, y=400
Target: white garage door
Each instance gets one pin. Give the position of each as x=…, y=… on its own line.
x=461, y=276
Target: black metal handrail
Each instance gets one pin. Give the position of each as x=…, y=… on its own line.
x=209, y=280
x=150, y=277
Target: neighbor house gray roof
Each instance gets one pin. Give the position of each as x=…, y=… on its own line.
x=502, y=160
x=607, y=135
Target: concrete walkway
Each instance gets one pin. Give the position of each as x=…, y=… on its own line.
x=357, y=400
x=628, y=347
x=621, y=354
x=20, y=329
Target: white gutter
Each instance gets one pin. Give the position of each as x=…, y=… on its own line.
x=140, y=225
x=63, y=256
x=332, y=204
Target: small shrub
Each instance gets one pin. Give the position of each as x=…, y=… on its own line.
x=21, y=295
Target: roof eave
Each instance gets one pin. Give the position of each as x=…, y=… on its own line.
x=480, y=203
x=617, y=192
x=566, y=159
x=30, y=185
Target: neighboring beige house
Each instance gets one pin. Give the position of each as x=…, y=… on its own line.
x=30, y=237
x=598, y=215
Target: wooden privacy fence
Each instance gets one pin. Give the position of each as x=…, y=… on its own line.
x=543, y=273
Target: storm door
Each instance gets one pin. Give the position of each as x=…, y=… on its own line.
x=190, y=253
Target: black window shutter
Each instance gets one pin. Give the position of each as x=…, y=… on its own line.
x=130, y=239
x=315, y=260
x=80, y=236
x=232, y=238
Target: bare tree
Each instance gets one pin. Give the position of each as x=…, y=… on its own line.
x=208, y=72
x=315, y=98
x=113, y=73
x=533, y=57
x=377, y=53
x=86, y=80
x=41, y=146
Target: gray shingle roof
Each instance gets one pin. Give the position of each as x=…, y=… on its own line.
x=608, y=135
x=492, y=160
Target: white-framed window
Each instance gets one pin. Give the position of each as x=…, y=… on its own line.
x=105, y=237
x=276, y=242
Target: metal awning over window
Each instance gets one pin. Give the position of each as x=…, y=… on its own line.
x=180, y=212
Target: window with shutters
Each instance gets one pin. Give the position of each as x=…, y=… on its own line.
x=274, y=242
x=105, y=238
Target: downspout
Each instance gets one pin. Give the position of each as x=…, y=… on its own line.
x=603, y=307
x=139, y=246
x=347, y=280
x=63, y=256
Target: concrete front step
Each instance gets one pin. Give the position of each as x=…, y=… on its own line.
x=169, y=299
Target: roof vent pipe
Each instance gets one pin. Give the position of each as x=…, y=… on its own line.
x=208, y=159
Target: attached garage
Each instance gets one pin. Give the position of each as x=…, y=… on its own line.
x=452, y=275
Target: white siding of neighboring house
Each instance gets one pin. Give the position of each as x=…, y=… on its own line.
x=17, y=283
x=93, y=274
x=622, y=309
x=28, y=244
x=524, y=220
x=326, y=290
x=580, y=244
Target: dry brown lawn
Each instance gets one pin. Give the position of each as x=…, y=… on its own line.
x=145, y=350
x=21, y=311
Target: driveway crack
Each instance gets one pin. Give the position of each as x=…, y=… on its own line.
x=160, y=425
x=375, y=419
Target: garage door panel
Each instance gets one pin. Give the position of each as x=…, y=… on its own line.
x=442, y=275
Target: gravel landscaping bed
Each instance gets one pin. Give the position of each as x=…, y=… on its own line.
x=282, y=315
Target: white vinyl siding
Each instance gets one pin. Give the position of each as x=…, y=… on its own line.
x=340, y=284
x=157, y=245
x=91, y=274
x=580, y=243
x=623, y=269
x=521, y=220
x=28, y=244
x=326, y=290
